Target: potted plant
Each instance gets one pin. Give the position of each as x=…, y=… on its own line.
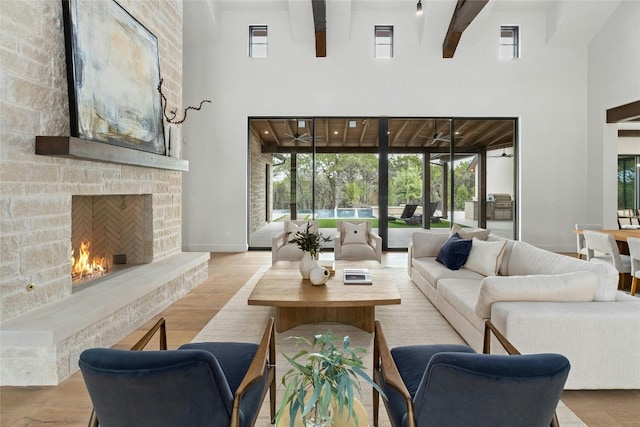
x=310, y=243
x=323, y=379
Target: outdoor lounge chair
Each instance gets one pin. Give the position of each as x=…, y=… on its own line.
x=407, y=215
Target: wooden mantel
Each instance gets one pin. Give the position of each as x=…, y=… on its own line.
x=71, y=147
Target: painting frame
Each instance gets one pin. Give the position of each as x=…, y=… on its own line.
x=113, y=72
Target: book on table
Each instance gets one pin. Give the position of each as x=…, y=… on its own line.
x=357, y=276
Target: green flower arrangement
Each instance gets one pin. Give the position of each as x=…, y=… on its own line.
x=308, y=241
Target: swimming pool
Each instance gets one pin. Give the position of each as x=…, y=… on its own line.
x=331, y=213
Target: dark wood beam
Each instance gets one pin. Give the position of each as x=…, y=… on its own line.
x=628, y=133
x=465, y=12
x=320, y=24
x=624, y=113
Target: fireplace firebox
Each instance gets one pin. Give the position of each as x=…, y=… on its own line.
x=108, y=233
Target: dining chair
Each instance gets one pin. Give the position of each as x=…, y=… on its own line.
x=200, y=384
x=606, y=244
x=453, y=386
x=581, y=248
x=634, y=251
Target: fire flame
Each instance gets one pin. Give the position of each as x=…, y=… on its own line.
x=85, y=267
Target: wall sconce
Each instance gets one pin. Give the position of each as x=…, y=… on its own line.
x=419, y=8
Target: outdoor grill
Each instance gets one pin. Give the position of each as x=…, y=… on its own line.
x=501, y=206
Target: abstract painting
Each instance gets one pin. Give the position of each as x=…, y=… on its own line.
x=113, y=74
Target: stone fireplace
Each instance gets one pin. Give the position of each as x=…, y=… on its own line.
x=134, y=214
x=44, y=323
x=108, y=234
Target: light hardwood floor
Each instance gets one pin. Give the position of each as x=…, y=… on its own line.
x=68, y=404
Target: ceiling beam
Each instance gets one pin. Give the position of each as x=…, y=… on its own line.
x=320, y=25
x=628, y=133
x=465, y=12
x=624, y=113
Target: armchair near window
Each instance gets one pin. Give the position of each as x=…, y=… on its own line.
x=451, y=385
x=281, y=250
x=357, y=241
x=200, y=384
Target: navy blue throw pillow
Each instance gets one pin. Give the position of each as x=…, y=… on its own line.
x=454, y=252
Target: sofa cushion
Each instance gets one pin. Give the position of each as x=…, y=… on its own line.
x=354, y=234
x=468, y=233
x=485, y=257
x=454, y=252
x=427, y=244
x=462, y=295
x=578, y=286
x=527, y=259
x=433, y=271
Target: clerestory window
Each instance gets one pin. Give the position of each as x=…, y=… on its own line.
x=509, y=42
x=384, y=41
x=258, y=41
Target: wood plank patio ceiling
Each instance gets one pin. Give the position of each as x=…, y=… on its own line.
x=409, y=135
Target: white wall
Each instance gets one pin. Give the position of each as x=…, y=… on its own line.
x=546, y=89
x=614, y=80
x=629, y=146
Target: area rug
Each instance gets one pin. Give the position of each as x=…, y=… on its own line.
x=415, y=321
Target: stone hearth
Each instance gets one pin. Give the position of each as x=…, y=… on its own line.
x=42, y=347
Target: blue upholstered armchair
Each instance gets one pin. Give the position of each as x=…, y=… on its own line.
x=451, y=385
x=200, y=384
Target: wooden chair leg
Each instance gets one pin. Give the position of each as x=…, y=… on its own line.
x=634, y=285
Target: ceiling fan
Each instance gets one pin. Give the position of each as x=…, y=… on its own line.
x=296, y=137
x=437, y=137
x=440, y=137
x=503, y=155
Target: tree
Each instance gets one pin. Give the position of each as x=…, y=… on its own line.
x=406, y=186
x=461, y=196
x=351, y=180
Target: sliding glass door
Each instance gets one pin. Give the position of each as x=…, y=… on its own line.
x=402, y=174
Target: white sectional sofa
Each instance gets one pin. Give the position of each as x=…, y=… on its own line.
x=542, y=302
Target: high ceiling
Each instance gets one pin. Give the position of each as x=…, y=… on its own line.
x=568, y=21
x=281, y=135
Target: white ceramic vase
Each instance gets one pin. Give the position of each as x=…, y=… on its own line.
x=173, y=140
x=306, y=265
x=319, y=275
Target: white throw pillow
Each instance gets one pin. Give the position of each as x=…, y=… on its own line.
x=578, y=286
x=354, y=233
x=468, y=233
x=485, y=257
x=292, y=228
